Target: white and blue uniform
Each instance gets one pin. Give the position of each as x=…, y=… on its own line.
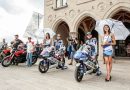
x=107, y=49
x=93, y=43
x=58, y=44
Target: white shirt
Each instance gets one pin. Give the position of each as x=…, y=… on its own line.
x=107, y=39
x=30, y=47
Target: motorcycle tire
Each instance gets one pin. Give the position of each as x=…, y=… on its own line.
x=43, y=66
x=2, y=56
x=78, y=74
x=34, y=60
x=6, y=61
x=63, y=62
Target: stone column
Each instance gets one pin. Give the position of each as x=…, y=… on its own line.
x=100, y=57
x=61, y=2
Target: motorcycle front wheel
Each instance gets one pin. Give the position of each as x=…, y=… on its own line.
x=78, y=73
x=6, y=61
x=43, y=66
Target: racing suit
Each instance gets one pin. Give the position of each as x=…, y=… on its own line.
x=93, y=43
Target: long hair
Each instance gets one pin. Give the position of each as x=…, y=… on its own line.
x=48, y=35
x=109, y=31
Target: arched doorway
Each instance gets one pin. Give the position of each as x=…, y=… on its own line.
x=63, y=30
x=86, y=25
x=120, y=48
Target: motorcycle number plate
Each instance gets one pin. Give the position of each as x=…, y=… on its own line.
x=78, y=64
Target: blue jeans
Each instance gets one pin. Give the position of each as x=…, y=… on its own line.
x=29, y=59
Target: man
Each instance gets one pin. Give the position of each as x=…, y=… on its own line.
x=57, y=44
x=17, y=42
x=3, y=44
x=30, y=50
x=92, y=41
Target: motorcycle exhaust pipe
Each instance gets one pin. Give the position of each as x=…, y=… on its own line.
x=91, y=66
x=88, y=72
x=53, y=66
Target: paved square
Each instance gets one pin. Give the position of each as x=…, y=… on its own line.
x=23, y=78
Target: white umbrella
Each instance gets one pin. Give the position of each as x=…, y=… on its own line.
x=39, y=34
x=29, y=34
x=117, y=28
x=50, y=31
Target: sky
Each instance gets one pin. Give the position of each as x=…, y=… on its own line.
x=15, y=16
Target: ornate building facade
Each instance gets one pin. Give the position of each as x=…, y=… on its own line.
x=76, y=17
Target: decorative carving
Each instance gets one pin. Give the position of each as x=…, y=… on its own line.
x=111, y=3
x=49, y=2
x=50, y=18
x=92, y=7
x=78, y=11
x=71, y=13
x=83, y=1
x=101, y=6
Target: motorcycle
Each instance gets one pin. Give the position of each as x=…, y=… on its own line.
x=16, y=57
x=52, y=59
x=85, y=63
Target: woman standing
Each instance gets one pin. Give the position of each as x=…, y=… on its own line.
x=73, y=49
x=108, y=40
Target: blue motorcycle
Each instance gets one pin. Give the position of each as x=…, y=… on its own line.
x=85, y=64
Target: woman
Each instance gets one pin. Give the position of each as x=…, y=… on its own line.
x=69, y=47
x=47, y=41
x=108, y=40
x=73, y=48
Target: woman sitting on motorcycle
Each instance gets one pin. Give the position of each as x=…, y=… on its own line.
x=46, y=43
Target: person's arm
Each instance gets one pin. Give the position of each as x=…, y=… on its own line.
x=33, y=49
x=20, y=41
x=113, y=40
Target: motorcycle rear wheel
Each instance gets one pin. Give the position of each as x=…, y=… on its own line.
x=34, y=60
x=43, y=66
x=6, y=61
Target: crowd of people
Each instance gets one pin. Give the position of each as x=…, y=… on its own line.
x=108, y=40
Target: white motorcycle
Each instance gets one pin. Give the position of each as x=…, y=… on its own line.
x=52, y=59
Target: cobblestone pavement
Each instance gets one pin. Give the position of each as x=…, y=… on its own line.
x=29, y=78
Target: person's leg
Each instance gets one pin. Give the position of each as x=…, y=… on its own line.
x=27, y=58
x=103, y=60
x=107, y=67
x=30, y=59
x=110, y=63
x=71, y=58
x=98, y=72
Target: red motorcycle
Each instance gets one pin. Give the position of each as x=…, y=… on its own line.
x=16, y=57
